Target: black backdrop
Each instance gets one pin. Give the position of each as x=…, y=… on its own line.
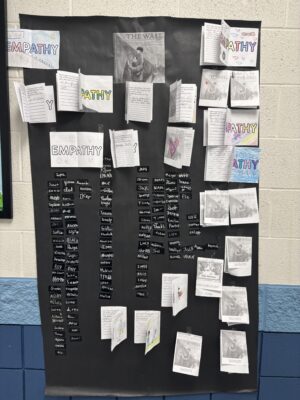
x=88, y=367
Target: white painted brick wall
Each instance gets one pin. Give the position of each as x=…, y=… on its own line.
x=280, y=126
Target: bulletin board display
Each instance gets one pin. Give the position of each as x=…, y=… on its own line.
x=85, y=365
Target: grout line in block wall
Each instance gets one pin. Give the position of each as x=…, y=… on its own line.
x=279, y=189
x=70, y=7
x=279, y=238
x=279, y=28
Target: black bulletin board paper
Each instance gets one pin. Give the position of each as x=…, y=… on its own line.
x=89, y=367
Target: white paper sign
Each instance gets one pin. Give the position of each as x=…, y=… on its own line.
x=76, y=149
x=33, y=48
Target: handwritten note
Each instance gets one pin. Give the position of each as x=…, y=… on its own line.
x=139, y=101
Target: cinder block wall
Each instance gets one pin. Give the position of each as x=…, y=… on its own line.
x=279, y=131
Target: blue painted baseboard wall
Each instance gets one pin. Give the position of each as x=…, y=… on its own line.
x=22, y=374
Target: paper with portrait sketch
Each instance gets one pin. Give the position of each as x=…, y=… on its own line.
x=139, y=57
x=238, y=255
x=218, y=162
x=174, y=291
x=216, y=207
x=234, y=305
x=118, y=328
x=183, y=102
x=216, y=118
x=209, y=277
x=33, y=48
x=152, y=332
x=76, y=149
x=238, y=46
x=67, y=88
x=243, y=206
x=124, y=147
x=139, y=101
x=244, y=89
x=214, y=88
x=233, y=352
x=245, y=165
x=187, y=354
x=210, y=44
x=109, y=323
x=241, y=128
x=141, y=324
x=174, y=147
x=36, y=102
x=96, y=93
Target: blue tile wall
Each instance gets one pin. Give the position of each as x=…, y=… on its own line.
x=279, y=389
x=33, y=347
x=281, y=355
x=234, y=396
x=11, y=384
x=10, y=346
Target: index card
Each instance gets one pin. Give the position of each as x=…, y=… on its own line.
x=238, y=46
x=182, y=103
x=33, y=48
x=76, y=149
x=106, y=316
x=234, y=305
x=209, y=277
x=216, y=207
x=141, y=320
x=244, y=89
x=187, y=354
x=216, y=118
x=118, y=328
x=95, y=93
x=139, y=101
x=36, y=102
x=67, y=85
x=234, y=353
x=214, y=88
x=218, y=161
x=124, y=146
x=238, y=255
x=241, y=128
x=243, y=206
